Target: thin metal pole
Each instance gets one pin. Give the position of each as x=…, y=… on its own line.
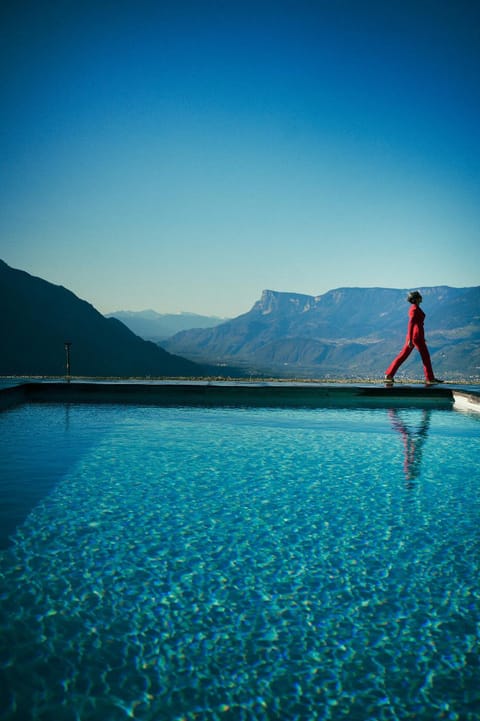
x=67, y=353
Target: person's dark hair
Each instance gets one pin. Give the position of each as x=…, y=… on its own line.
x=413, y=296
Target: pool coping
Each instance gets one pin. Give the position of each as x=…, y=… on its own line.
x=240, y=393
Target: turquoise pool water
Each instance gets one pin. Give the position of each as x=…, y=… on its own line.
x=184, y=563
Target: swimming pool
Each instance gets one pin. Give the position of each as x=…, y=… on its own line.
x=192, y=563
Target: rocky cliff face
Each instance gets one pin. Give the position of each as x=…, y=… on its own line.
x=345, y=332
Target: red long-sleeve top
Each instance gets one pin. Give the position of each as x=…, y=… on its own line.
x=416, y=316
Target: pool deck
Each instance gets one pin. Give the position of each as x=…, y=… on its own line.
x=279, y=394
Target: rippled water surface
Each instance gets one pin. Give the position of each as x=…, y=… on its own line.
x=182, y=563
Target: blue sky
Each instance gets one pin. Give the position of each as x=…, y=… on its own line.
x=183, y=156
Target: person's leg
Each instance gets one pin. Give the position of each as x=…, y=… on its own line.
x=397, y=362
x=427, y=363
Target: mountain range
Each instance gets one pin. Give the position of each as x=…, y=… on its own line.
x=346, y=332
x=37, y=318
x=150, y=325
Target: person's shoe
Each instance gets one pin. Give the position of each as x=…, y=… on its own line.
x=434, y=382
x=389, y=380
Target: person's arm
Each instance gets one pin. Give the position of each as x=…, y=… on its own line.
x=412, y=321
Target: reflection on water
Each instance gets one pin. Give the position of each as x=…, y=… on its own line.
x=38, y=446
x=239, y=565
x=414, y=438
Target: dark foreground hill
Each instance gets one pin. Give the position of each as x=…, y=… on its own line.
x=37, y=318
x=348, y=332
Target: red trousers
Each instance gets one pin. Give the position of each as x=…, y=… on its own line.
x=421, y=346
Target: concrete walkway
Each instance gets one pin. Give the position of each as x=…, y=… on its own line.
x=242, y=393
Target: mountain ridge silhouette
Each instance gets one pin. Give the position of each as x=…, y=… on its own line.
x=37, y=318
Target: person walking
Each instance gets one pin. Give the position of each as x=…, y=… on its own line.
x=415, y=339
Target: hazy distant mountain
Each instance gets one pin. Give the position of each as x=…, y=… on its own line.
x=345, y=332
x=150, y=325
x=37, y=317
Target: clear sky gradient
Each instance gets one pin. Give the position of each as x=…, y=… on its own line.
x=183, y=156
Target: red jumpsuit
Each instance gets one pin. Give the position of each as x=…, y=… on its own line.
x=416, y=336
